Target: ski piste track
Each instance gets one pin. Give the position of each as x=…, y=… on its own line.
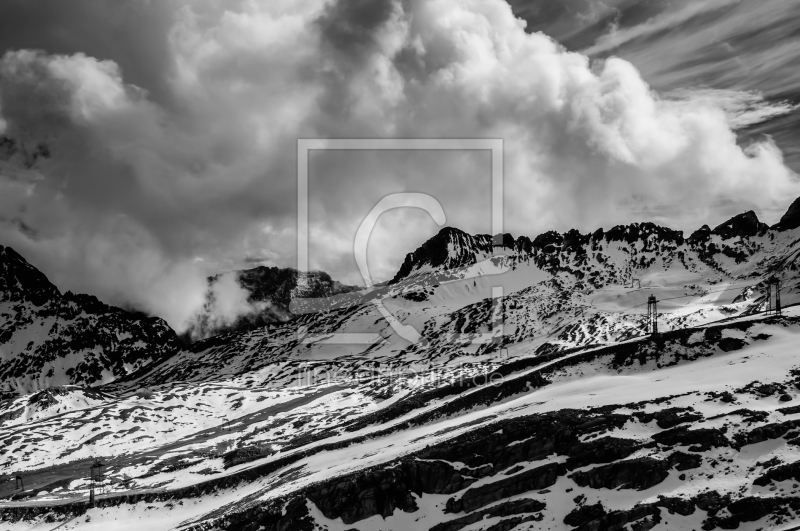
x=527, y=371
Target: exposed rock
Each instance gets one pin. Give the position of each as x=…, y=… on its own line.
x=448, y=249
x=682, y=461
x=475, y=498
x=640, y=474
x=381, y=491
x=502, y=509
x=585, y=513
x=616, y=520
x=711, y=501
x=603, y=450
x=702, y=439
x=743, y=225
x=779, y=473
x=49, y=339
x=754, y=508
x=764, y=433
x=680, y=506
x=791, y=219
x=670, y=417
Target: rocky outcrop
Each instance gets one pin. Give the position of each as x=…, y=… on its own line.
x=381, y=491
x=638, y=474
x=617, y=520
x=585, y=513
x=779, y=473
x=602, y=450
x=515, y=507
x=766, y=432
x=745, y=225
x=670, y=417
x=450, y=248
x=699, y=440
x=791, y=219
x=477, y=497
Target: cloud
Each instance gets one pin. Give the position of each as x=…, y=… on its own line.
x=742, y=108
x=227, y=300
x=658, y=24
x=145, y=194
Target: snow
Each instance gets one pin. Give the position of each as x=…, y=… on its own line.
x=265, y=389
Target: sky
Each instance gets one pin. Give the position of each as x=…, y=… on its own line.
x=145, y=145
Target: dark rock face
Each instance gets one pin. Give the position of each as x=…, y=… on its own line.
x=585, y=513
x=502, y=509
x=617, y=520
x=20, y=281
x=670, y=417
x=764, y=433
x=701, y=439
x=639, y=474
x=779, y=473
x=754, y=508
x=112, y=341
x=744, y=225
x=791, y=219
x=729, y=344
x=603, y=450
x=682, y=461
x=700, y=235
x=381, y=491
x=475, y=498
x=644, y=231
x=449, y=249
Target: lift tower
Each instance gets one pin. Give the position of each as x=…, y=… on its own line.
x=652, y=315
x=773, y=296
x=95, y=480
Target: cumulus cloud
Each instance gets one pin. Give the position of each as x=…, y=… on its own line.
x=141, y=197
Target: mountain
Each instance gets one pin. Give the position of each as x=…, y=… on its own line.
x=48, y=339
x=532, y=397
x=270, y=292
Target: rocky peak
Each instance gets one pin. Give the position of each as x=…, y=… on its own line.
x=21, y=281
x=48, y=339
x=791, y=219
x=701, y=234
x=745, y=225
x=642, y=231
x=450, y=248
x=271, y=291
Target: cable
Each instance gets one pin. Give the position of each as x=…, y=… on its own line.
x=678, y=297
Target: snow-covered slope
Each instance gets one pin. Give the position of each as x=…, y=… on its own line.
x=530, y=396
x=49, y=339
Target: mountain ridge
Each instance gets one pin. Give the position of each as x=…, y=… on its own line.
x=536, y=396
x=41, y=327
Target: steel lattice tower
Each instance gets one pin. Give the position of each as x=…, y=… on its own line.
x=773, y=296
x=95, y=480
x=652, y=315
